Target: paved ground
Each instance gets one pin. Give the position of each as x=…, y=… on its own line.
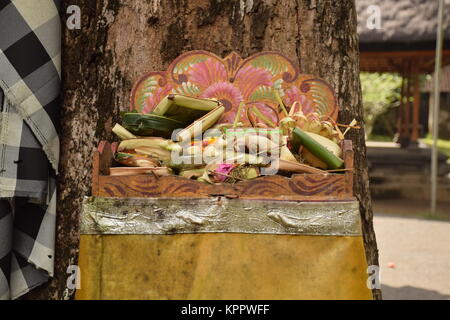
x=420, y=250
x=411, y=208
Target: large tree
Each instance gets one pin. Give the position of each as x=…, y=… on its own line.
x=120, y=40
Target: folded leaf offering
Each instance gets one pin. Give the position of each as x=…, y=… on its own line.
x=324, y=149
x=185, y=109
x=202, y=124
x=150, y=124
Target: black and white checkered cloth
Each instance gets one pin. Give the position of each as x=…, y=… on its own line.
x=30, y=55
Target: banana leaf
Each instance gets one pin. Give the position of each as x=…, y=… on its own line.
x=300, y=137
x=201, y=124
x=184, y=109
x=150, y=124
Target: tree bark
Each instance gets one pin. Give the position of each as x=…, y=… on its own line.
x=120, y=40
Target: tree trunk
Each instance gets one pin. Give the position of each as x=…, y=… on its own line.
x=121, y=40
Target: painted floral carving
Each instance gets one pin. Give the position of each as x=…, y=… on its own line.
x=232, y=80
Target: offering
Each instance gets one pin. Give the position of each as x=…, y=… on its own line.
x=224, y=121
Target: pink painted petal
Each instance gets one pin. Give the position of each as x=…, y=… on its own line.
x=223, y=91
x=230, y=96
x=249, y=78
x=307, y=105
x=208, y=72
x=291, y=95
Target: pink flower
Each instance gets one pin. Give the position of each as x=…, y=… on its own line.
x=223, y=170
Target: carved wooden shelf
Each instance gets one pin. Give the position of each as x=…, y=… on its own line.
x=300, y=187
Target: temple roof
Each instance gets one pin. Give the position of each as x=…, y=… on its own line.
x=405, y=24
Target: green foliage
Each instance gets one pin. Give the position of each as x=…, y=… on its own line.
x=380, y=91
x=442, y=145
x=376, y=137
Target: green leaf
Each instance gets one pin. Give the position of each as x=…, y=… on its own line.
x=150, y=124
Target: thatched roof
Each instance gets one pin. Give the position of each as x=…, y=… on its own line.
x=405, y=25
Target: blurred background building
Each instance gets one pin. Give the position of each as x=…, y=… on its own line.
x=397, y=45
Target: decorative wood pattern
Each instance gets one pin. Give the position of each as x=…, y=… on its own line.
x=301, y=187
x=232, y=79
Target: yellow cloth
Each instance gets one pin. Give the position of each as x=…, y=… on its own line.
x=222, y=266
